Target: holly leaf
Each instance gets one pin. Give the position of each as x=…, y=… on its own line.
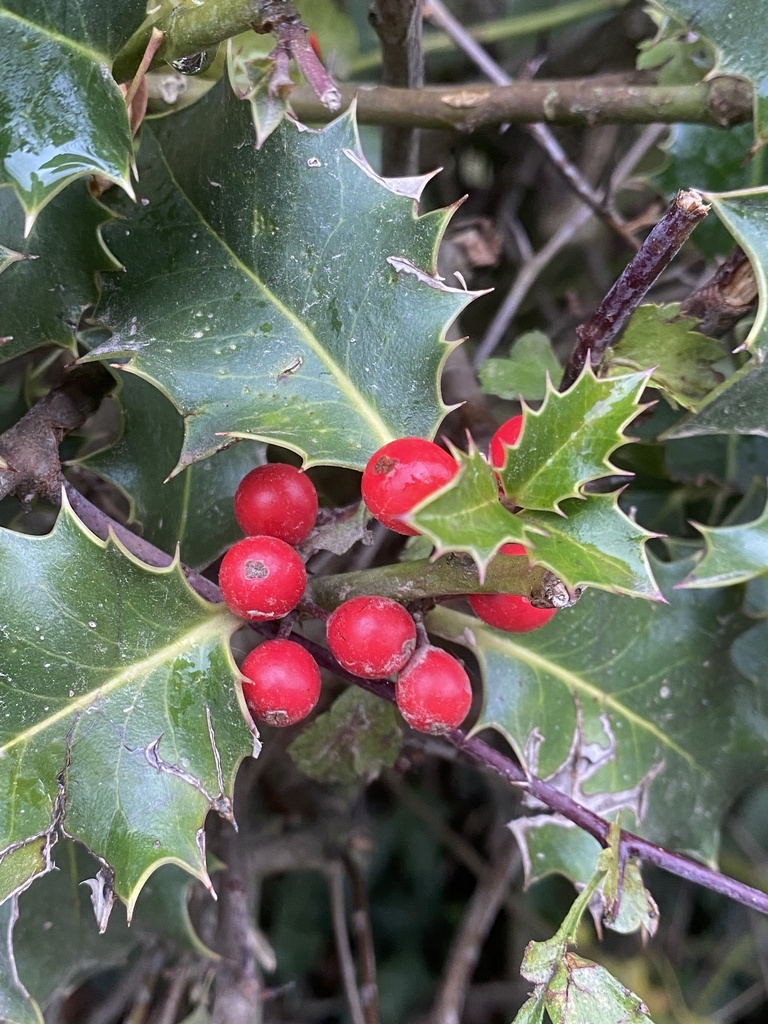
x=466, y=515
x=64, y=249
x=267, y=292
x=194, y=509
x=351, y=742
x=681, y=359
x=571, y=989
x=62, y=113
x=523, y=373
x=591, y=543
x=123, y=722
x=734, y=554
x=646, y=716
x=740, y=40
x=56, y=940
x=568, y=441
x=16, y=1004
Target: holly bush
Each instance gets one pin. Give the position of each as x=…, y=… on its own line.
x=194, y=284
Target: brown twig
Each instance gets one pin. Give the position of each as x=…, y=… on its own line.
x=29, y=450
x=722, y=102
x=656, y=252
x=363, y=932
x=486, y=901
x=398, y=26
x=334, y=872
x=725, y=298
x=600, y=204
x=532, y=266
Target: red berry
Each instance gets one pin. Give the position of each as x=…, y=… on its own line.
x=277, y=500
x=401, y=475
x=262, y=578
x=371, y=637
x=504, y=438
x=511, y=612
x=433, y=691
x=282, y=682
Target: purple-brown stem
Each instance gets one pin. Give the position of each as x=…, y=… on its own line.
x=656, y=252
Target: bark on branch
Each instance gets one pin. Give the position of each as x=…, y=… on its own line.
x=723, y=102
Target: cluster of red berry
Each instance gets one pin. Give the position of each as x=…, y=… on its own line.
x=262, y=577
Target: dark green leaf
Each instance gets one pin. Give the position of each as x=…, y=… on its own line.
x=352, y=742
x=45, y=290
x=121, y=701
x=710, y=160
x=61, y=113
x=741, y=40
x=524, y=371
x=271, y=294
x=16, y=1005
x=569, y=440
x=625, y=704
x=194, y=509
x=57, y=942
x=657, y=338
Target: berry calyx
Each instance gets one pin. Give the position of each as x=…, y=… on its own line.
x=512, y=613
x=277, y=500
x=262, y=578
x=433, y=691
x=506, y=436
x=371, y=637
x=282, y=682
x=402, y=474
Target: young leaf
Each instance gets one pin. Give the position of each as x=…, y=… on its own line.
x=734, y=554
x=524, y=371
x=568, y=441
x=741, y=41
x=593, y=543
x=62, y=249
x=283, y=294
x=467, y=514
x=194, y=509
x=120, y=702
x=647, y=712
x=63, y=113
x=657, y=338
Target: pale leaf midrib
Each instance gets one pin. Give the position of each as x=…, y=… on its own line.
x=128, y=674
x=365, y=409
x=577, y=683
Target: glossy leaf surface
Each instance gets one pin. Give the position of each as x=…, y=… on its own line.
x=741, y=40
x=61, y=112
x=734, y=554
x=52, y=278
x=646, y=713
x=255, y=301
x=118, y=673
x=569, y=440
x=56, y=941
x=194, y=509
